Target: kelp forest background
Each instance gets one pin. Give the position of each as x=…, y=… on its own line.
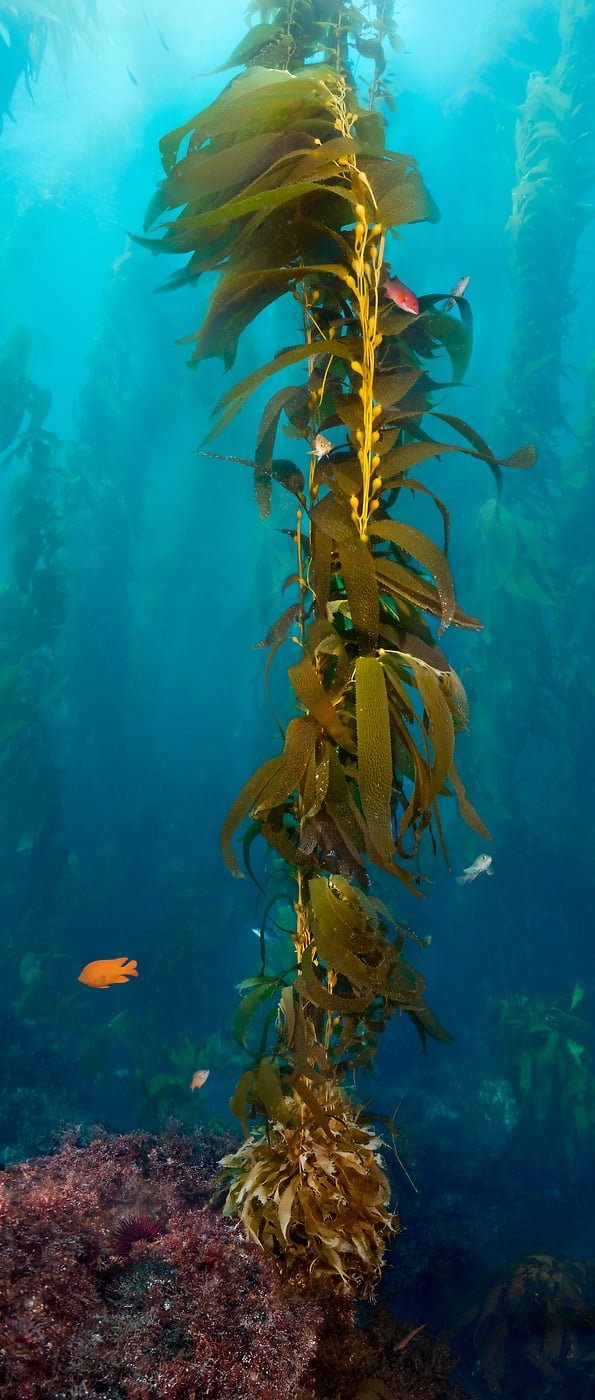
x=154, y=583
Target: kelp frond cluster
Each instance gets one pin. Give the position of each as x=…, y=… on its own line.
x=314, y=1192
x=284, y=185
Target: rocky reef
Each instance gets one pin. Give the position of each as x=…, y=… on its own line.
x=120, y=1277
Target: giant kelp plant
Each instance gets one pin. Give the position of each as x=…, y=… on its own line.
x=284, y=185
x=554, y=169
x=530, y=552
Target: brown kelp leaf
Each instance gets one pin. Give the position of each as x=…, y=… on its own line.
x=522, y=459
x=213, y=170
x=285, y=1204
x=234, y=303
x=427, y=554
x=269, y=1090
x=333, y=517
x=407, y=484
x=310, y=986
x=257, y=39
x=361, y=587
x=455, y=695
x=424, y=648
x=357, y=567
x=321, y=549
x=315, y=162
x=287, y=1008
x=344, y=349
x=316, y=781
x=408, y=455
x=249, y=1005
x=419, y=772
x=237, y=208
x=238, y=1103
x=269, y=423
x=323, y=640
x=374, y=755
x=257, y=97
x=390, y=387
x=300, y=737
x=341, y=806
x=263, y=494
x=477, y=443
x=288, y=475
x=400, y=193
x=454, y=336
x=339, y=945
x=344, y=472
x=278, y=837
x=403, y=582
x=349, y=410
x=438, y=713
x=466, y=809
x=280, y=628
x=310, y=691
x=241, y=807
x=426, y=1024
x=340, y=919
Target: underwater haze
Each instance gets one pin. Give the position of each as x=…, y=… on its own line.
x=143, y=564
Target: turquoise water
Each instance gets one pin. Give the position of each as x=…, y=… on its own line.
x=141, y=687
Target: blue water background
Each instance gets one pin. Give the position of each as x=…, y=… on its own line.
x=165, y=715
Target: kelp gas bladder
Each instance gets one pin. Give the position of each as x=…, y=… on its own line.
x=284, y=185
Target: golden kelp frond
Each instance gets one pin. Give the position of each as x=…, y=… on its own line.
x=314, y=1191
x=355, y=972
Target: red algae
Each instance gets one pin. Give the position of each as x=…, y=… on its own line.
x=196, y=1312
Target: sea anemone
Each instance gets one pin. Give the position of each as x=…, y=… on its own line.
x=132, y=1229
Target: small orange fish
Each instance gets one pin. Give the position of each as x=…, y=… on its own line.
x=106, y=971
x=199, y=1078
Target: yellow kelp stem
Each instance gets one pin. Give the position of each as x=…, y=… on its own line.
x=366, y=265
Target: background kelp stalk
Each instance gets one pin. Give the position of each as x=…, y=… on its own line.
x=284, y=185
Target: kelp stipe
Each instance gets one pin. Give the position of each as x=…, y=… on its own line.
x=286, y=186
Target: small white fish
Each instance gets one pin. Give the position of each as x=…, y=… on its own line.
x=480, y=866
x=458, y=290
x=270, y=935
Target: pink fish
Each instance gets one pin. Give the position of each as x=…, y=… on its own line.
x=402, y=296
x=458, y=290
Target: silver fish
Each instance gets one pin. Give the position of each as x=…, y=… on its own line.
x=458, y=290
x=270, y=935
x=480, y=866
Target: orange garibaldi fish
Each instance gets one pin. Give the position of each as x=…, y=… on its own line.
x=106, y=971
